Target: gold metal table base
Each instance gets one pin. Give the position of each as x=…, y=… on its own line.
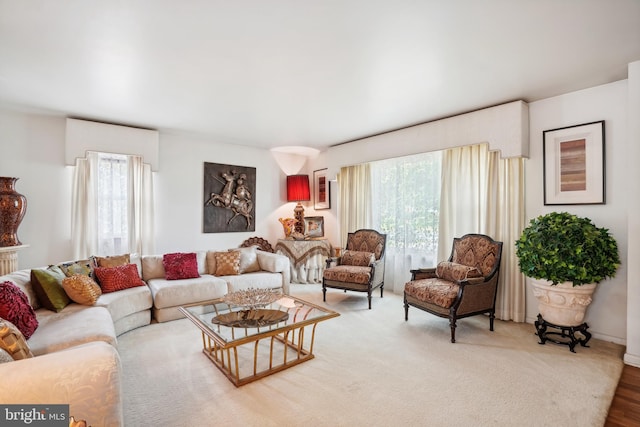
x=293, y=352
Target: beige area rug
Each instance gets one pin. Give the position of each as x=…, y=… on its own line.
x=374, y=369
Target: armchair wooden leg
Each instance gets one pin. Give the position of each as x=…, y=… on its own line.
x=369, y=298
x=381, y=289
x=406, y=309
x=492, y=316
x=452, y=323
x=324, y=293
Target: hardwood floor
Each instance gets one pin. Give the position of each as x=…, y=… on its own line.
x=625, y=408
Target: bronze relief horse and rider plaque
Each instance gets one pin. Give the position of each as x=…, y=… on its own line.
x=229, y=198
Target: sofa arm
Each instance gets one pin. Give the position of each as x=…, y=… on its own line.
x=276, y=263
x=86, y=377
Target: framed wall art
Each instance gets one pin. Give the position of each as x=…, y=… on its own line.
x=229, y=198
x=321, y=190
x=574, y=165
x=314, y=226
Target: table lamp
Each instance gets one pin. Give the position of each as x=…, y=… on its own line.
x=298, y=191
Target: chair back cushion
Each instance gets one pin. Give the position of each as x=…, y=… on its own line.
x=367, y=241
x=477, y=250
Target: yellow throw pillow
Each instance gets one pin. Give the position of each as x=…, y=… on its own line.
x=82, y=289
x=227, y=263
x=12, y=341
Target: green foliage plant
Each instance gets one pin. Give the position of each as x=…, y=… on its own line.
x=561, y=247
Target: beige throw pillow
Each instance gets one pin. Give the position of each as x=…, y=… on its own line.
x=248, y=259
x=111, y=261
x=227, y=263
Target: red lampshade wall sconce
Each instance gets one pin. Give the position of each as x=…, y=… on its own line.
x=298, y=191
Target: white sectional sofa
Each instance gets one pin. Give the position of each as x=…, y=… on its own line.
x=75, y=350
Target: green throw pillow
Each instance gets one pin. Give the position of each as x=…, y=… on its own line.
x=48, y=286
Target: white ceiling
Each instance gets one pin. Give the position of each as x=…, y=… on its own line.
x=313, y=73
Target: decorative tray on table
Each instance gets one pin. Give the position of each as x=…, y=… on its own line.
x=253, y=313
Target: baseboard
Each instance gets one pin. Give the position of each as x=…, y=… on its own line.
x=632, y=359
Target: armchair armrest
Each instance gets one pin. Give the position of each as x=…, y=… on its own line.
x=330, y=260
x=423, y=273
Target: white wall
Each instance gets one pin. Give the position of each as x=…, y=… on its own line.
x=632, y=355
x=606, y=315
x=33, y=149
x=179, y=193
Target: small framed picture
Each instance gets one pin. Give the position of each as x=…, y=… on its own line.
x=321, y=190
x=574, y=165
x=314, y=226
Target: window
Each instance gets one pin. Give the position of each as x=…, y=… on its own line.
x=112, y=197
x=112, y=210
x=406, y=206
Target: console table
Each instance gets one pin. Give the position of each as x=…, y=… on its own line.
x=307, y=258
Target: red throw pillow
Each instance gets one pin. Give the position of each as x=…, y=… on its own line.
x=14, y=307
x=112, y=279
x=180, y=266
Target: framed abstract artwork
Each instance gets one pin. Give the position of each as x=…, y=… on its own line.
x=314, y=226
x=574, y=165
x=321, y=190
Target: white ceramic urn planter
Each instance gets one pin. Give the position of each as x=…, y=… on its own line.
x=562, y=304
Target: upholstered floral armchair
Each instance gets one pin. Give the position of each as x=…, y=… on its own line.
x=463, y=286
x=361, y=266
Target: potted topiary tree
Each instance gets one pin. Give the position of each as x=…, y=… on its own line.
x=567, y=254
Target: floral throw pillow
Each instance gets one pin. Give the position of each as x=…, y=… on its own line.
x=453, y=272
x=357, y=258
x=112, y=279
x=84, y=266
x=180, y=266
x=15, y=308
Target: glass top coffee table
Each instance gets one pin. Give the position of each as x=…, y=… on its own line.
x=248, y=344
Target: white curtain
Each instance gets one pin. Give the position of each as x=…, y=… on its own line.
x=406, y=198
x=88, y=213
x=140, y=204
x=482, y=193
x=84, y=211
x=354, y=199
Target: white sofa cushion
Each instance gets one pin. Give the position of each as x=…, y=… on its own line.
x=257, y=280
x=127, y=301
x=75, y=324
x=171, y=293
